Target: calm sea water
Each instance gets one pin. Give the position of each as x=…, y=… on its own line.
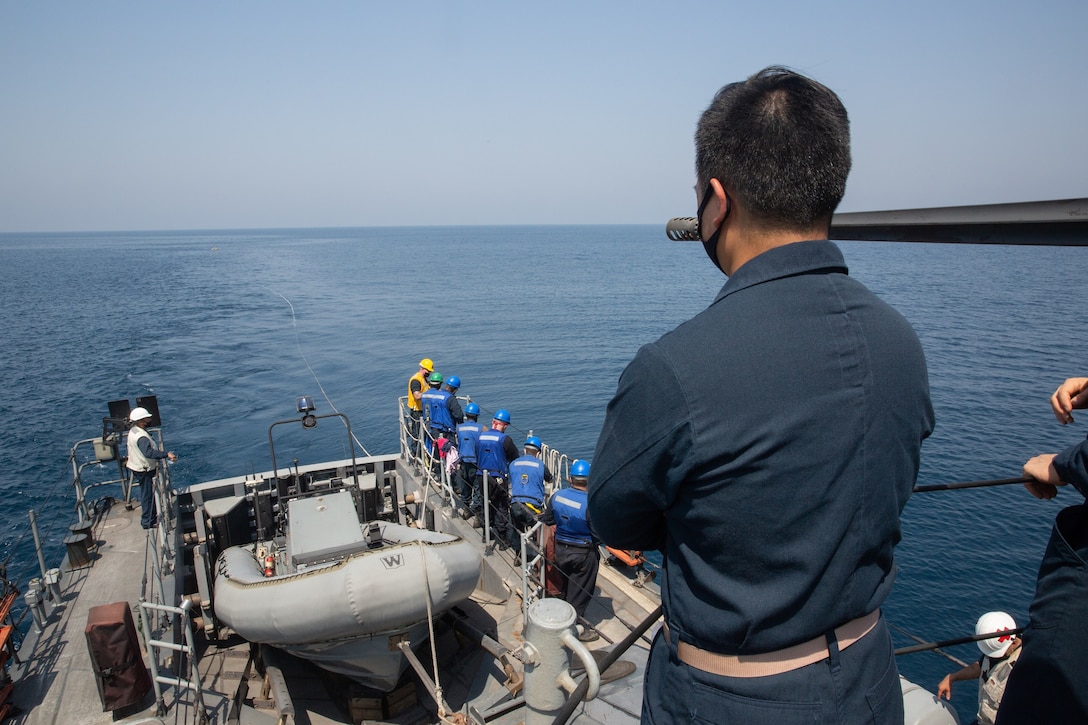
x=228, y=328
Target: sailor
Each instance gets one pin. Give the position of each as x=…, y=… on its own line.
x=1048, y=682
x=992, y=670
x=417, y=385
x=576, y=552
x=467, y=435
x=436, y=408
x=528, y=475
x=143, y=458
x=456, y=414
x=494, y=452
x=774, y=494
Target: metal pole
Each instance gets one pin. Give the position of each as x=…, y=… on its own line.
x=37, y=542
x=971, y=484
x=607, y=661
x=487, y=513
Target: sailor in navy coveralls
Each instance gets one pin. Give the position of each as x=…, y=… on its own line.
x=768, y=445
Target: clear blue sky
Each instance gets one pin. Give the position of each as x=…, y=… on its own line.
x=148, y=115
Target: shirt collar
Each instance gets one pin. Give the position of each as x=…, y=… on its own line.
x=817, y=256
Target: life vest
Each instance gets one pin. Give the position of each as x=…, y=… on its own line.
x=527, y=480
x=137, y=461
x=436, y=408
x=571, y=527
x=414, y=404
x=467, y=435
x=991, y=685
x=491, y=453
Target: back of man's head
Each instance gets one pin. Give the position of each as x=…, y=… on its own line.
x=780, y=143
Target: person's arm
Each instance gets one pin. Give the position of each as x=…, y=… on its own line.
x=1070, y=395
x=643, y=455
x=1071, y=466
x=510, y=450
x=150, y=451
x=548, y=517
x=456, y=414
x=1050, y=470
x=970, y=672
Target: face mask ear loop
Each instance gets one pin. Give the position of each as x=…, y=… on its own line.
x=710, y=246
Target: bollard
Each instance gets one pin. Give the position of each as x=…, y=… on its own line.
x=52, y=584
x=78, y=556
x=550, y=628
x=36, y=605
x=84, y=527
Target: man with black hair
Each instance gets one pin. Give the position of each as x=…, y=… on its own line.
x=775, y=493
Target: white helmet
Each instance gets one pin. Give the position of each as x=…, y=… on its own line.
x=995, y=622
x=138, y=414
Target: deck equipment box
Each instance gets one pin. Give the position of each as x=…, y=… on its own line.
x=119, y=669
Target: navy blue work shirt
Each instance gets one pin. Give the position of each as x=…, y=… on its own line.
x=1072, y=466
x=767, y=446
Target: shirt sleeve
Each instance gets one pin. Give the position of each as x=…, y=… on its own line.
x=149, y=450
x=510, y=448
x=643, y=455
x=456, y=413
x=1072, y=466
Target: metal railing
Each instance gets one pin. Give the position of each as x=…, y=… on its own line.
x=179, y=618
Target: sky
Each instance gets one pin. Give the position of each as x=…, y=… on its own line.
x=118, y=115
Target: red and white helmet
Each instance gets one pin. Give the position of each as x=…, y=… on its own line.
x=995, y=622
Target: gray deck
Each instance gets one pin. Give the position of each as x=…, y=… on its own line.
x=57, y=686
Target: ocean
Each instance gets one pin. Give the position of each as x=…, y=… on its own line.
x=227, y=328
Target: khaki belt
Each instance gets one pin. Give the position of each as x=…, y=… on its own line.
x=774, y=663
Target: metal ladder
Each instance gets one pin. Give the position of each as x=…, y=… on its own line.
x=148, y=611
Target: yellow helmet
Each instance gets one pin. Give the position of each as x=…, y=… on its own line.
x=427, y=364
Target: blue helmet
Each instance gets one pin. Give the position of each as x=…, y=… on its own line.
x=453, y=381
x=534, y=442
x=502, y=415
x=579, y=469
x=472, y=409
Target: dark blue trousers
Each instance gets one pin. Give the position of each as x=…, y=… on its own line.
x=149, y=516
x=857, y=685
x=1049, y=683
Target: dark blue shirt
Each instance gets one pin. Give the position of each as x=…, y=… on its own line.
x=1072, y=466
x=767, y=446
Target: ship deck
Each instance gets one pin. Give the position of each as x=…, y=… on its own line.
x=55, y=683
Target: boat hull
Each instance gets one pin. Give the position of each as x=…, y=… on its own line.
x=344, y=615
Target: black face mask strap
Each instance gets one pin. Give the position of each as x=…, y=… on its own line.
x=711, y=245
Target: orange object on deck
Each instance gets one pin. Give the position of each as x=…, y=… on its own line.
x=626, y=556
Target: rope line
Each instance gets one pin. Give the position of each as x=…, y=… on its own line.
x=298, y=344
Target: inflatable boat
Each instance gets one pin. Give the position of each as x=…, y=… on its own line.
x=338, y=591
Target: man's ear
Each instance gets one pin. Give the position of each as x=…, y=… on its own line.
x=719, y=205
